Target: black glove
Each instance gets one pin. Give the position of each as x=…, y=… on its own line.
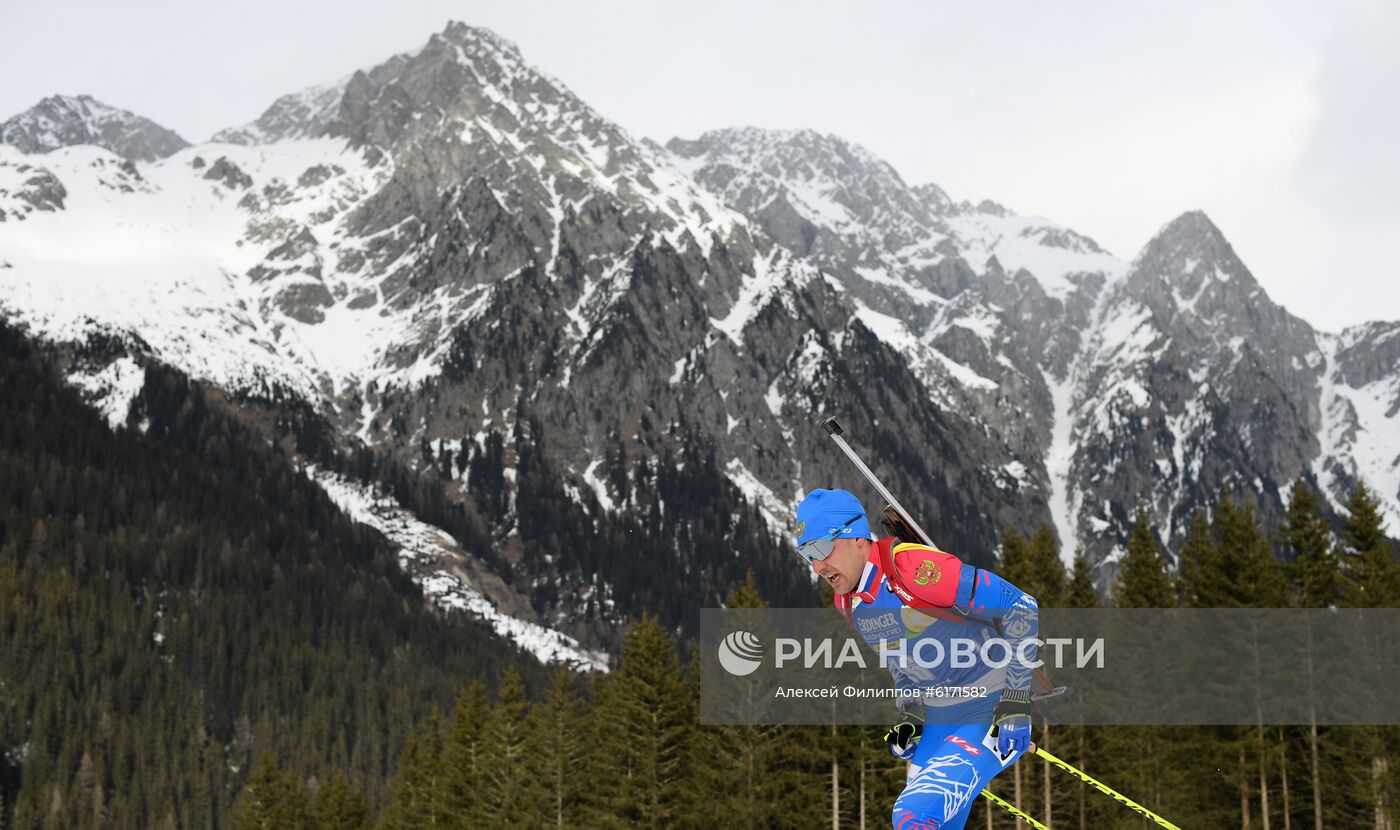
x=904, y=736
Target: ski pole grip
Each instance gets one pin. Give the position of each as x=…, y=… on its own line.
x=831, y=426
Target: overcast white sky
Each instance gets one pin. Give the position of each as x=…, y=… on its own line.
x=1280, y=120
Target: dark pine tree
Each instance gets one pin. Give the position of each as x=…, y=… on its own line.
x=1315, y=567
x=272, y=799
x=1143, y=581
x=639, y=770
x=1373, y=580
x=1047, y=571
x=1080, y=593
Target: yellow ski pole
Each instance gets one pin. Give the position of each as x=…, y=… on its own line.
x=1103, y=788
x=1013, y=810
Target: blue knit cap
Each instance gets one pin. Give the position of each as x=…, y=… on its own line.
x=823, y=511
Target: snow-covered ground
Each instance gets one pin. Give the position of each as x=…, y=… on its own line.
x=776, y=513
x=1360, y=431
x=165, y=254
x=426, y=552
x=1064, y=502
x=1050, y=252
x=112, y=389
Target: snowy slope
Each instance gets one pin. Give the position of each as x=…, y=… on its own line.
x=167, y=255
x=446, y=572
x=836, y=202
x=1051, y=253
x=1360, y=415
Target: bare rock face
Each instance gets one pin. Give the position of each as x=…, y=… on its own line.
x=1195, y=384
x=302, y=114
x=66, y=121
x=1369, y=353
x=228, y=174
x=25, y=188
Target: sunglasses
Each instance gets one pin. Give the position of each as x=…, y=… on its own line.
x=821, y=547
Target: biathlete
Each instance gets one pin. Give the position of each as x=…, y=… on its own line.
x=960, y=722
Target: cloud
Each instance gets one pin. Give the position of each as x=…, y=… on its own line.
x=1350, y=164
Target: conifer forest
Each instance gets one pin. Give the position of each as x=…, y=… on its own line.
x=191, y=635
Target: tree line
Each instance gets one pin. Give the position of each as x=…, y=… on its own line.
x=178, y=601
x=626, y=749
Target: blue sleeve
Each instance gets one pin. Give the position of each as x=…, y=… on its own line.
x=990, y=597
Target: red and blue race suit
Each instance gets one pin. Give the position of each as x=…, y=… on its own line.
x=956, y=756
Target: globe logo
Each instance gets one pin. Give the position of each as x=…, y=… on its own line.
x=740, y=653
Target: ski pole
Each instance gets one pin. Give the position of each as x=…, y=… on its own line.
x=1103, y=788
x=1013, y=810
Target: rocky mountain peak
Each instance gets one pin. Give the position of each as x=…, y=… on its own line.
x=1192, y=280
x=829, y=182
x=463, y=34
x=480, y=137
x=1199, y=290
x=463, y=74
x=304, y=114
x=67, y=121
x=935, y=198
x=1187, y=254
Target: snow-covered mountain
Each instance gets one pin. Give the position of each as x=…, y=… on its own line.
x=610, y=357
x=1165, y=379
x=838, y=204
x=66, y=121
x=303, y=114
x=471, y=271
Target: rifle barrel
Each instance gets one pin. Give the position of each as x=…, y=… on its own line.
x=834, y=430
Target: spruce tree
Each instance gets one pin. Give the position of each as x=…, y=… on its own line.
x=464, y=756
x=512, y=789
x=746, y=593
x=1248, y=574
x=1014, y=563
x=1317, y=582
x=1198, y=562
x=756, y=775
x=1047, y=571
x=1373, y=580
x=640, y=756
x=561, y=751
x=337, y=807
x=1315, y=566
x=417, y=801
x=271, y=800
x=1143, y=581
x=1081, y=593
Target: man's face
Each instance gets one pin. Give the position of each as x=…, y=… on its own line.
x=842, y=569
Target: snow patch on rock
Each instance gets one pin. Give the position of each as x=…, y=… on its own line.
x=111, y=389
x=423, y=549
